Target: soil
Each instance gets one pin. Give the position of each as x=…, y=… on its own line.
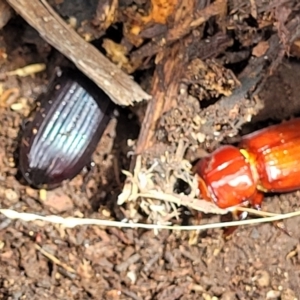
x=46, y=261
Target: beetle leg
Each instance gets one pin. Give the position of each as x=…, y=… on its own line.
x=280, y=225
x=236, y=215
x=256, y=200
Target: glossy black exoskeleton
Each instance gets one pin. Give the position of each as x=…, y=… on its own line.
x=66, y=127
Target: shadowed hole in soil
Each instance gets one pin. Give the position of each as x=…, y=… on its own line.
x=127, y=128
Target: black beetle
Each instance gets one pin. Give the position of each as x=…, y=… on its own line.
x=65, y=130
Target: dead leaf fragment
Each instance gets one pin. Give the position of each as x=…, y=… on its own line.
x=5, y=13
x=28, y=70
x=118, y=54
x=106, y=14
x=16, y=106
x=113, y=294
x=210, y=79
x=160, y=11
x=85, y=269
x=295, y=49
x=9, y=96
x=58, y=201
x=260, y=49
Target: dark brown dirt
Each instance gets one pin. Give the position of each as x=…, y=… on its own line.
x=258, y=262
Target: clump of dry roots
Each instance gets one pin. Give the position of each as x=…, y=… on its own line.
x=151, y=189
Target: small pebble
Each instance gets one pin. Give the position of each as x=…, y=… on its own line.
x=31, y=192
x=228, y=296
x=206, y=296
x=2, y=244
x=11, y=195
x=43, y=195
x=273, y=294
x=58, y=201
x=288, y=294
x=262, y=278
x=217, y=290
x=132, y=276
x=16, y=106
x=201, y=137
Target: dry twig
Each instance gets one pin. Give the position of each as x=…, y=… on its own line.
x=116, y=84
x=54, y=259
x=73, y=222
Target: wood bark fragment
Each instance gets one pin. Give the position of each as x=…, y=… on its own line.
x=165, y=88
x=252, y=81
x=243, y=100
x=182, y=27
x=5, y=13
x=166, y=79
x=112, y=80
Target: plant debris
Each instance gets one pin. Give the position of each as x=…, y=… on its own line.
x=188, y=75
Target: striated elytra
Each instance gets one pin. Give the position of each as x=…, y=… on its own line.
x=267, y=160
x=65, y=130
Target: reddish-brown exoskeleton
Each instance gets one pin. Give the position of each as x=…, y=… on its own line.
x=267, y=160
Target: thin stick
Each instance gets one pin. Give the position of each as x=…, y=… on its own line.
x=256, y=212
x=115, y=83
x=54, y=259
x=72, y=222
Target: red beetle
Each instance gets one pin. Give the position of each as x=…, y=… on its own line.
x=267, y=160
